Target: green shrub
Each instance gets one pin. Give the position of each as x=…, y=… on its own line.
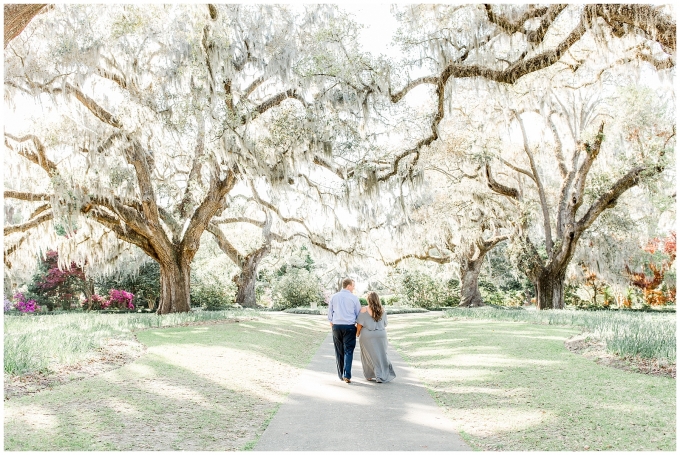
x=296, y=288
x=424, y=291
x=390, y=310
x=211, y=297
x=301, y=311
x=363, y=301
x=390, y=300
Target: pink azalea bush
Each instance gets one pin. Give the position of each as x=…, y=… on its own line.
x=121, y=299
x=24, y=305
x=95, y=302
x=117, y=299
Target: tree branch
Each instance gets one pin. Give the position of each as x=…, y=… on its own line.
x=212, y=203
x=28, y=225
x=498, y=187
x=17, y=17
x=196, y=166
x=541, y=191
x=610, y=197
x=224, y=244
x=275, y=101
x=518, y=169
x=592, y=152
x=239, y=219
x=39, y=158
x=423, y=257
x=518, y=25
x=27, y=196
x=127, y=235
x=657, y=26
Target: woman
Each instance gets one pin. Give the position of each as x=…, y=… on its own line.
x=371, y=324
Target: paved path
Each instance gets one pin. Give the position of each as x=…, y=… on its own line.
x=323, y=413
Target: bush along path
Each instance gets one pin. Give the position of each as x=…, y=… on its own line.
x=515, y=386
x=200, y=387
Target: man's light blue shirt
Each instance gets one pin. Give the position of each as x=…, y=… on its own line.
x=343, y=308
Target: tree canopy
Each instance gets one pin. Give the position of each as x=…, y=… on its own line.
x=146, y=126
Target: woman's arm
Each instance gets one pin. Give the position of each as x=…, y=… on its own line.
x=358, y=330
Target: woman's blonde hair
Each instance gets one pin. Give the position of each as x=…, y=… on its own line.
x=375, y=306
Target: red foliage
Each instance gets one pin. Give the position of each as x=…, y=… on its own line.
x=649, y=285
x=61, y=284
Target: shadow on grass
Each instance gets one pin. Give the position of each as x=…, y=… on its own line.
x=514, y=386
x=198, y=388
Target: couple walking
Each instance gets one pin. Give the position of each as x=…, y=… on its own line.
x=349, y=321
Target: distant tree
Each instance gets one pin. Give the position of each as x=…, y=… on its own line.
x=569, y=192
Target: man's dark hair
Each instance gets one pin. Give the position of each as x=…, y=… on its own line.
x=346, y=282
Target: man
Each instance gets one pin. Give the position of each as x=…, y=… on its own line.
x=343, y=309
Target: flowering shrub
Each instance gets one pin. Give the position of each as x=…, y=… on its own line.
x=120, y=299
x=54, y=287
x=8, y=305
x=656, y=289
x=95, y=302
x=144, y=284
x=24, y=305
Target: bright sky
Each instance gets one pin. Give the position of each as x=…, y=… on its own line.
x=380, y=26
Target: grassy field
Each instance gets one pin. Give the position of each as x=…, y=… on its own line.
x=33, y=343
x=647, y=335
x=514, y=386
x=204, y=387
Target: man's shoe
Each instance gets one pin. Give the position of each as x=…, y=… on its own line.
x=347, y=380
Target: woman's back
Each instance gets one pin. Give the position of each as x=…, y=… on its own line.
x=368, y=323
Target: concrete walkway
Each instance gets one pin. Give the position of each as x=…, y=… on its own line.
x=323, y=413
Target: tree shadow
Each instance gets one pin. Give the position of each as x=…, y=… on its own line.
x=514, y=386
x=178, y=396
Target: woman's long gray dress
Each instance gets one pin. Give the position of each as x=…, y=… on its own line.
x=373, y=344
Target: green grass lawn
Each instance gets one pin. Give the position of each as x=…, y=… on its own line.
x=514, y=386
x=36, y=343
x=210, y=387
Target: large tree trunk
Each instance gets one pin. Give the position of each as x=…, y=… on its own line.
x=245, y=282
x=175, y=287
x=550, y=290
x=469, y=290
x=245, y=286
